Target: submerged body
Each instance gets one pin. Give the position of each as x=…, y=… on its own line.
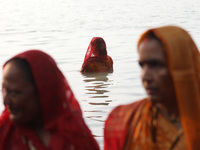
x=97, y=65
x=96, y=58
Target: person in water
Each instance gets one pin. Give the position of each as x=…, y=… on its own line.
x=96, y=58
x=169, y=118
x=41, y=112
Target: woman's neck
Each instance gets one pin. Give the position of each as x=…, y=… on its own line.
x=41, y=132
x=171, y=113
x=44, y=136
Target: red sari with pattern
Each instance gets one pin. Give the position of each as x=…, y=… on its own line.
x=61, y=112
x=96, y=58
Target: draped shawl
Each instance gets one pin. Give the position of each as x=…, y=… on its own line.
x=184, y=65
x=61, y=112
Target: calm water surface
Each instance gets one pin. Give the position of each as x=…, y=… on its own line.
x=64, y=28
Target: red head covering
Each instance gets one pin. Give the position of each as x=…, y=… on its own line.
x=60, y=110
x=96, y=48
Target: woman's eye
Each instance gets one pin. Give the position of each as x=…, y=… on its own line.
x=14, y=92
x=156, y=64
x=11, y=92
x=141, y=64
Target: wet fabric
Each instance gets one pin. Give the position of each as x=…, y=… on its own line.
x=96, y=58
x=61, y=112
x=184, y=66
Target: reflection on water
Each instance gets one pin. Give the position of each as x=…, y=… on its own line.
x=98, y=95
x=98, y=87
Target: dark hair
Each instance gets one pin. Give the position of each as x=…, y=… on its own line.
x=97, y=43
x=24, y=66
x=151, y=36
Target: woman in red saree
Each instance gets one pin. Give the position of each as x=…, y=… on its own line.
x=96, y=58
x=41, y=112
x=148, y=124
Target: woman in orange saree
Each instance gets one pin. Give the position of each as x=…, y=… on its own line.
x=96, y=58
x=41, y=112
x=142, y=125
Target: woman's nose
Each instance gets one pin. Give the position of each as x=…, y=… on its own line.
x=146, y=73
x=6, y=98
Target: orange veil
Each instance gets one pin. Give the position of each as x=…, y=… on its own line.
x=184, y=65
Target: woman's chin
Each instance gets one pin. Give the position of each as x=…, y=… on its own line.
x=15, y=118
x=154, y=98
x=12, y=117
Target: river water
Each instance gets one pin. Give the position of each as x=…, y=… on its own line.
x=64, y=28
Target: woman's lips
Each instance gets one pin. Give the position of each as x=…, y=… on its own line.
x=12, y=111
x=151, y=91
